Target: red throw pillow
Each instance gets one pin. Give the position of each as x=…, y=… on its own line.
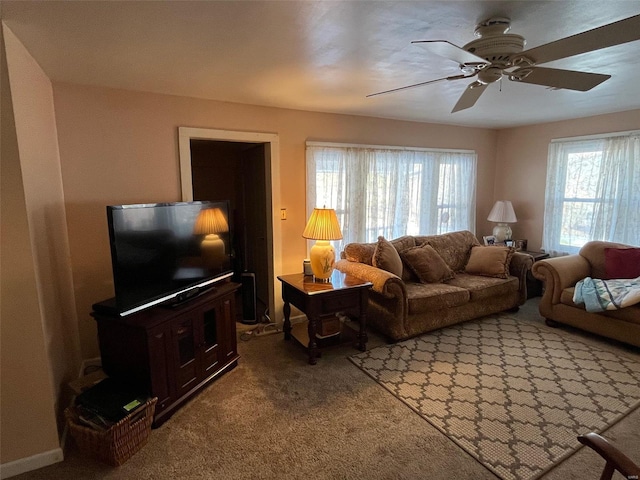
x=622, y=262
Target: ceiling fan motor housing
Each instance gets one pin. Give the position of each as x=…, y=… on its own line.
x=497, y=49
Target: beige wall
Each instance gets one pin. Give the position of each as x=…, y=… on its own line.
x=522, y=165
x=121, y=147
x=28, y=394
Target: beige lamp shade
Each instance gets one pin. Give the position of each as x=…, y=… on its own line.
x=322, y=226
x=211, y=222
x=502, y=213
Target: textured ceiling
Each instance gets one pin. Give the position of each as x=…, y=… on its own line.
x=323, y=55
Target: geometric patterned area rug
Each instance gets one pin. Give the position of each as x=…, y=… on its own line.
x=514, y=395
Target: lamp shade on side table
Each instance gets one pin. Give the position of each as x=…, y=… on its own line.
x=322, y=226
x=502, y=213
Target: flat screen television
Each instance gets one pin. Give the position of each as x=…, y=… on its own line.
x=167, y=252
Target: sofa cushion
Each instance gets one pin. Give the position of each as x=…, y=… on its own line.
x=481, y=287
x=426, y=297
x=428, y=266
x=629, y=314
x=403, y=243
x=360, y=252
x=387, y=257
x=489, y=261
x=622, y=262
x=454, y=247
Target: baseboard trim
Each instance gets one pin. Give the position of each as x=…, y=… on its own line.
x=28, y=464
x=44, y=459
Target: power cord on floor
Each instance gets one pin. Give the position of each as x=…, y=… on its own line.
x=266, y=328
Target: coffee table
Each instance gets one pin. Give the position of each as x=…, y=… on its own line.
x=342, y=294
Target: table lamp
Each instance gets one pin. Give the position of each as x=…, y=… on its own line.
x=211, y=222
x=502, y=213
x=322, y=226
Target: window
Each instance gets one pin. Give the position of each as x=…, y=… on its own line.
x=392, y=191
x=592, y=192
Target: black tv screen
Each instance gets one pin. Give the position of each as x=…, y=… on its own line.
x=167, y=251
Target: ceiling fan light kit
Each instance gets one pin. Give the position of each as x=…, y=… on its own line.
x=496, y=53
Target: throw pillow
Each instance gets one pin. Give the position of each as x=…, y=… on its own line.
x=428, y=266
x=622, y=262
x=386, y=257
x=489, y=261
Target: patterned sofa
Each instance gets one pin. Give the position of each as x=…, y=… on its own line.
x=560, y=275
x=423, y=283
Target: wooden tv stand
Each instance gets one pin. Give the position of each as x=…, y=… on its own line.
x=172, y=352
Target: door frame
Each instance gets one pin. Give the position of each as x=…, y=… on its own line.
x=272, y=183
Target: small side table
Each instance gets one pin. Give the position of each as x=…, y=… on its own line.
x=534, y=286
x=343, y=294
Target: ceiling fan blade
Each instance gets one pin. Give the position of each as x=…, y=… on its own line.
x=617, y=33
x=470, y=96
x=455, y=77
x=553, y=77
x=452, y=52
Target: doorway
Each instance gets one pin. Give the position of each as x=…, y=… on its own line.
x=240, y=167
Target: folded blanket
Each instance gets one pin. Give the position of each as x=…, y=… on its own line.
x=600, y=295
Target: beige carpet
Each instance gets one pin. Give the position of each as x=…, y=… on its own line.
x=512, y=394
x=276, y=417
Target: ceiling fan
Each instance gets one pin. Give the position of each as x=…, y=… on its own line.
x=496, y=53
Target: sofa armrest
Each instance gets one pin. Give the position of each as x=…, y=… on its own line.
x=520, y=265
x=384, y=283
x=559, y=273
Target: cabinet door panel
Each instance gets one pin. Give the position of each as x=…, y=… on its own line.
x=211, y=344
x=160, y=371
x=184, y=344
x=228, y=325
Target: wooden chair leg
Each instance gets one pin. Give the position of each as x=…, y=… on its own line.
x=607, y=473
x=616, y=460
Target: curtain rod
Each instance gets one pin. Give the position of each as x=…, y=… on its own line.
x=598, y=136
x=386, y=147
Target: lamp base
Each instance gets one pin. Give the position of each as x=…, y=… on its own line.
x=323, y=257
x=502, y=232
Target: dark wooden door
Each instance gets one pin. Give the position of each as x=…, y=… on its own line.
x=257, y=212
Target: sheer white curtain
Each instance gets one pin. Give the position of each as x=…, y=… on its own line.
x=592, y=192
x=392, y=191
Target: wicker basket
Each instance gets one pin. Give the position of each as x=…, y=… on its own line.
x=118, y=443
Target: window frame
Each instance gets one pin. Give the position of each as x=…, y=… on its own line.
x=557, y=186
x=415, y=168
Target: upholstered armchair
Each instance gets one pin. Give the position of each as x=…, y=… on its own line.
x=560, y=276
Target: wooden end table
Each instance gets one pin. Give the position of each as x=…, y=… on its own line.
x=343, y=294
x=535, y=287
